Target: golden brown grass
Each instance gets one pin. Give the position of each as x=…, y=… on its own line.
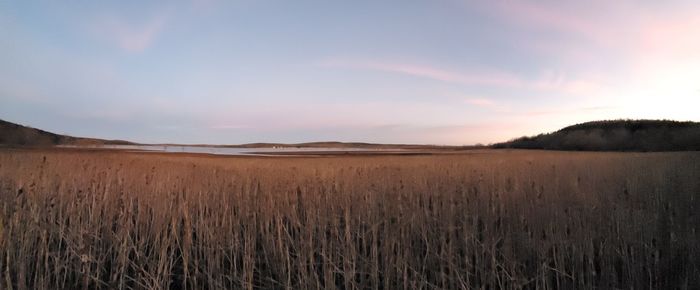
x=492, y=220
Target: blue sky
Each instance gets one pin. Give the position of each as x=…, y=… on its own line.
x=437, y=72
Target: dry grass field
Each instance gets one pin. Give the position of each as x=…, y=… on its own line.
x=481, y=220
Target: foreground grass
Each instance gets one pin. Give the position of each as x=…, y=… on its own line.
x=493, y=220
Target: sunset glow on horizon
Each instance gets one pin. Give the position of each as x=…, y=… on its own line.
x=424, y=72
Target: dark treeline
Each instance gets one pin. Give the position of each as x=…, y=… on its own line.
x=616, y=135
x=12, y=134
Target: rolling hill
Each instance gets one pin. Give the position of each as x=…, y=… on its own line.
x=616, y=135
x=610, y=135
x=12, y=134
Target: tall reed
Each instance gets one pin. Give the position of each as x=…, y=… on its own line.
x=488, y=220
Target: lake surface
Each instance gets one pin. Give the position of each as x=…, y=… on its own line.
x=261, y=151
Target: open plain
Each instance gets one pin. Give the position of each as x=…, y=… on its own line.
x=482, y=219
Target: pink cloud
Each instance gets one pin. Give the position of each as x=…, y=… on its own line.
x=569, y=111
x=628, y=27
x=588, y=21
x=481, y=102
x=546, y=82
x=672, y=37
x=428, y=72
x=561, y=83
x=129, y=36
x=229, y=127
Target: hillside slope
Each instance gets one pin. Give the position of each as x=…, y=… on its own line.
x=12, y=134
x=616, y=135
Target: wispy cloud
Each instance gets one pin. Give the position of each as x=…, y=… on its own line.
x=428, y=72
x=546, y=82
x=569, y=111
x=553, y=17
x=481, y=102
x=132, y=37
x=608, y=24
x=229, y=127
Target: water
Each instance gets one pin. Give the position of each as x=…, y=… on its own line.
x=232, y=151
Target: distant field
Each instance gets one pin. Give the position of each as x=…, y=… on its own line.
x=488, y=219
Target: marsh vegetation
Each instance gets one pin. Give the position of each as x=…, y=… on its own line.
x=487, y=220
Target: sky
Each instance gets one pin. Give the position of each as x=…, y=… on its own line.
x=425, y=72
